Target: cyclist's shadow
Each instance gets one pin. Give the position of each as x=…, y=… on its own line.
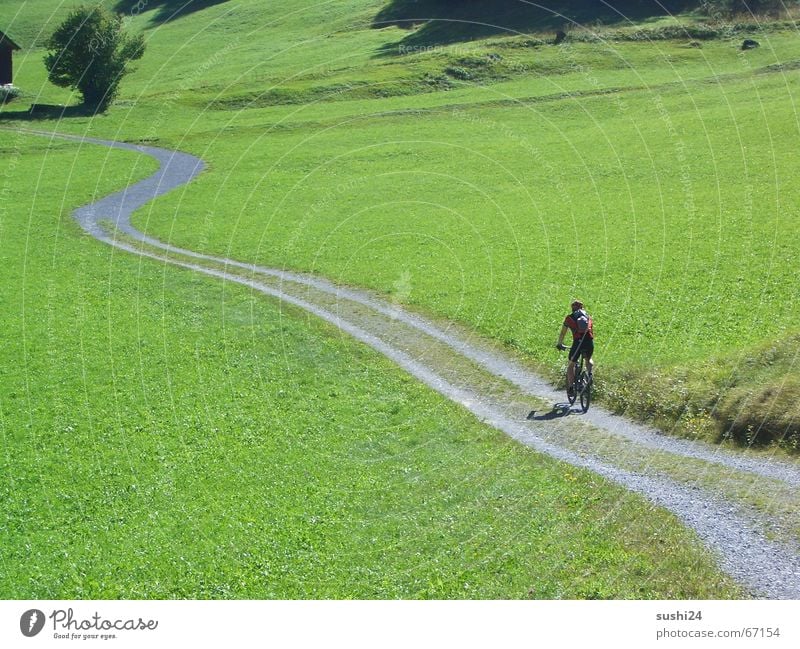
x=558, y=411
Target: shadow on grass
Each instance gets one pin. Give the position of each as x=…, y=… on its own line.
x=167, y=9
x=442, y=22
x=40, y=112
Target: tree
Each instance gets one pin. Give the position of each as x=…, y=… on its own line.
x=90, y=52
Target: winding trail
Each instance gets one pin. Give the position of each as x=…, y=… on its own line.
x=744, y=508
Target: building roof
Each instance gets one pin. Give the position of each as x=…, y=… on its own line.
x=5, y=41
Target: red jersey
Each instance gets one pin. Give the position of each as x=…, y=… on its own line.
x=572, y=322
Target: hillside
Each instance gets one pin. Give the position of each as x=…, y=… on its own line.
x=481, y=177
x=639, y=135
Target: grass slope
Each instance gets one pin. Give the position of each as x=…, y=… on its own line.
x=165, y=435
x=436, y=22
x=497, y=179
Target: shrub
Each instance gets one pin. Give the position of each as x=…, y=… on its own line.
x=456, y=72
x=8, y=93
x=90, y=52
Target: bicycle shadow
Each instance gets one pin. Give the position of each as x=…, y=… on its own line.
x=559, y=411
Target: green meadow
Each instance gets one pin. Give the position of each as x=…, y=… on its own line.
x=649, y=176
x=165, y=435
x=174, y=436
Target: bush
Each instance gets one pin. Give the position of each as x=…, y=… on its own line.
x=462, y=74
x=8, y=93
x=90, y=52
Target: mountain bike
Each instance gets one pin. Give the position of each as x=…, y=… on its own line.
x=582, y=386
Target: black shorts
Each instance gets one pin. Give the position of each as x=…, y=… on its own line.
x=583, y=347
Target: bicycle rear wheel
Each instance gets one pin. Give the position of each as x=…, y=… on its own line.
x=576, y=386
x=586, y=393
x=572, y=397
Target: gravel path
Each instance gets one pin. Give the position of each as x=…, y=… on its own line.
x=744, y=508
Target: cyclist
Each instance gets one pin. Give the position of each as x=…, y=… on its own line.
x=580, y=324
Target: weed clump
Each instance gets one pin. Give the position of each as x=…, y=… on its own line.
x=462, y=74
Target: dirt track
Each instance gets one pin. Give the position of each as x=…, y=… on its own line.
x=743, y=507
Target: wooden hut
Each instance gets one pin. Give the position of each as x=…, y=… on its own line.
x=7, y=47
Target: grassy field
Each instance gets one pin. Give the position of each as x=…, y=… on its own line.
x=228, y=449
x=501, y=177
x=169, y=436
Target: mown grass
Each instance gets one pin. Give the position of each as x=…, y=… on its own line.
x=503, y=177
x=165, y=435
x=31, y=23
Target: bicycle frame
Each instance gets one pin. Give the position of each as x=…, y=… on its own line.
x=581, y=386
